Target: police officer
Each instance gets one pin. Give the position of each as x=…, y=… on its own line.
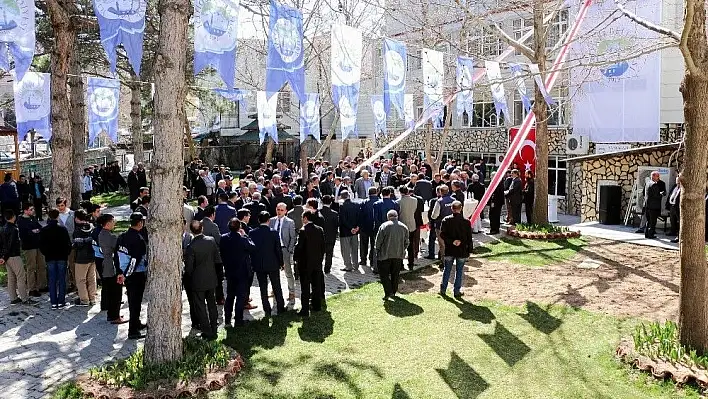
x=132, y=257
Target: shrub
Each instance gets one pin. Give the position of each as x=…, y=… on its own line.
x=661, y=341
x=546, y=228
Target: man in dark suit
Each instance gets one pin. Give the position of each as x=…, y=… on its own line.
x=367, y=232
x=327, y=184
x=655, y=194
x=423, y=188
x=330, y=227
x=236, y=250
x=200, y=262
x=267, y=262
x=212, y=230
x=349, y=232
x=309, y=252
x=202, y=203
x=279, y=197
x=496, y=203
x=256, y=206
x=224, y=213
x=514, y=195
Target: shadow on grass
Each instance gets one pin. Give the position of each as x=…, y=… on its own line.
x=400, y=307
x=317, y=327
x=399, y=392
x=260, y=334
x=464, y=381
x=540, y=319
x=471, y=311
x=506, y=345
x=336, y=372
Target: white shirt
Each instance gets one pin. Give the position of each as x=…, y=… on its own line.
x=279, y=228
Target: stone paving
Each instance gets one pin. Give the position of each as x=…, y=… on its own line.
x=41, y=348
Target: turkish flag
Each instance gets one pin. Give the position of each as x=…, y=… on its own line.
x=526, y=157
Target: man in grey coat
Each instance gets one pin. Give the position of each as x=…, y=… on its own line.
x=362, y=185
x=211, y=229
x=200, y=263
x=391, y=244
x=285, y=227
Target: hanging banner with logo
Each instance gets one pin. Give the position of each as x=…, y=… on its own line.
x=433, y=77
x=525, y=158
x=240, y=95
x=495, y=83
x=33, y=104
x=409, y=110
x=215, y=37
x=465, y=86
x=267, y=104
x=518, y=74
x=103, y=100
x=533, y=68
x=17, y=35
x=617, y=98
x=395, y=66
x=122, y=22
x=310, y=117
x=286, y=62
x=377, y=104
x=346, y=76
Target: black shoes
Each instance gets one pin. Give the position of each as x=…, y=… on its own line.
x=16, y=301
x=136, y=336
x=35, y=294
x=303, y=313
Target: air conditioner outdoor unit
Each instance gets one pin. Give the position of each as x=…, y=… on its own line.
x=576, y=144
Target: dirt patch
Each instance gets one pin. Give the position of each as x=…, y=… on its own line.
x=607, y=276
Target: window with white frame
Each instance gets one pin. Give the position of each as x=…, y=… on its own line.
x=491, y=44
x=556, y=113
x=484, y=114
x=520, y=27
x=557, y=175
x=556, y=28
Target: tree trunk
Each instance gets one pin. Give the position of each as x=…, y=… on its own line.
x=443, y=139
x=136, y=122
x=303, y=156
x=693, y=312
x=429, y=145
x=270, y=145
x=540, y=202
x=78, y=128
x=164, y=339
x=64, y=40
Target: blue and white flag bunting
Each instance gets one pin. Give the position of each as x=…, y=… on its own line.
x=103, y=104
x=346, y=75
x=495, y=82
x=533, y=68
x=433, y=78
x=395, y=67
x=377, y=104
x=310, y=117
x=409, y=110
x=122, y=22
x=33, y=104
x=17, y=35
x=286, y=62
x=240, y=95
x=518, y=74
x=215, y=37
x=465, y=85
x=267, y=115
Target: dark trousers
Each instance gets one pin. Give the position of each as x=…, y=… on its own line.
x=135, y=287
x=413, y=246
x=367, y=249
x=310, y=288
x=205, y=304
x=111, y=294
x=675, y=215
x=219, y=282
x=329, y=253
x=494, y=219
x=515, y=213
x=389, y=271
x=193, y=315
x=87, y=195
x=274, y=278
x=236, y=291
x=529, y=213
x=652, y=216
x=38, y=203
x=431, y=241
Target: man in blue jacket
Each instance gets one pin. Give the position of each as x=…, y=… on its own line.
x=267, y=262
x=224, y=213
x=236, y=251
x=367, y=233
x=382, y=206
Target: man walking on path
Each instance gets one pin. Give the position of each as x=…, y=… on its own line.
x=391, y=244
x=457, y=233
x=202, y=257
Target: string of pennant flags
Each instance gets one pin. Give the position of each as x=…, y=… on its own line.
x=122, y=22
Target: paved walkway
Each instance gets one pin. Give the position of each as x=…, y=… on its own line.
x=40, y=348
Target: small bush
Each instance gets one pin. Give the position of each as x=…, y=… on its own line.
x=661, y=341
x=546, y=228
x=132, y=372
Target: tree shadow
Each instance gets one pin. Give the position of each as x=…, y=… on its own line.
x=259, y=334
x=338, y=373
x=506, y=345
x=399, y=392
x=540, y=319
x=415, y=281
x=462, y=379
x=401, y=307
x=471, y=311
x=317, y=327
x=573, y=297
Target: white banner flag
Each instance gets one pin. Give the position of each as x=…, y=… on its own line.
x=495, y=83
x=346, y=75
x=409, y=110
x=267, y=104
x=433, y=78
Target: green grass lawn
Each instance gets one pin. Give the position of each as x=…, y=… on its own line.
x=424, y=346
x=529, y=252
x=3, y=276
x=111, y=200
x=121, y=226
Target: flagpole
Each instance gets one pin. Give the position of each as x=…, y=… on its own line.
x=530, y=119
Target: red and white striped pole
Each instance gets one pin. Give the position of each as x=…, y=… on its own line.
x=530, y=119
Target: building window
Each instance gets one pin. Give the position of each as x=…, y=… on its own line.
x=556, y=28
x=484, y=42
x=557, y=173
x=520, y=27
x=484, y=115
x=418, y=113
x=284, y=102
x=556, y=113
x=415, y=61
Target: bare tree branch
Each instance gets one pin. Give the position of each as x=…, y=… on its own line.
x=688, y=27
x=646, y=23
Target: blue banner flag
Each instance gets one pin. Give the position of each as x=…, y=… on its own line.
x=346, y=76
x=215, y=37
x=17, y=35
x=377, y=104
x=267, y=104
x=33, y=104
x=122, y=22
x=395, y=66
x=103, y=104
x=465, y=86
x=310, y=117
x=518, y=74
x=286, y=62
x=240, y=95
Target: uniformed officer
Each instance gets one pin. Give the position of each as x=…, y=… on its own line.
x=132, y=258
